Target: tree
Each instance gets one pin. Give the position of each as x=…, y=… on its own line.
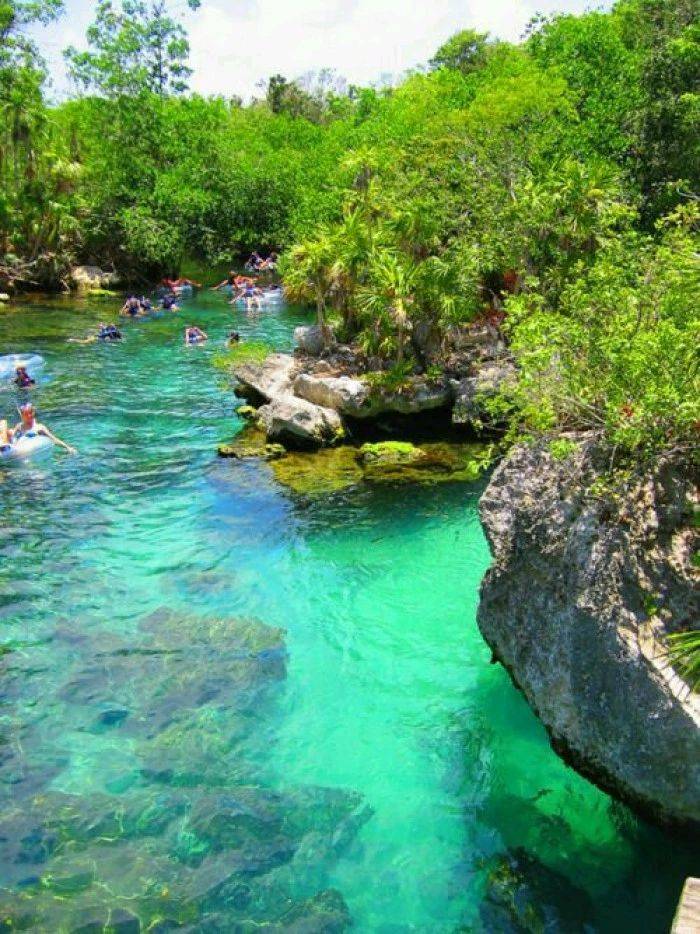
x=465, y=51
x=132, y=49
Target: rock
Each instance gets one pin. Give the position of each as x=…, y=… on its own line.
x=356, y=398
x=582, y=592
x=228, y=450
x=89, y=278
x=4, y=297
x=248, y=412
x=342, y=393
x=267, y=380
x=298, y=423
x=309, y=339
x=472, y=393
x=389, y=453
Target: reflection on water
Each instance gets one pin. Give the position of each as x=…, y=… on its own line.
x=223, y=705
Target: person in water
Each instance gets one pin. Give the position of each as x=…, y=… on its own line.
x=169, y=302
x=229, y=281
x=233, y=339
x=29, y=427
x=6, y=435
x=194, y=335
x=23, y=379
x=179, y=282
x=133, y=307
x=109, y=332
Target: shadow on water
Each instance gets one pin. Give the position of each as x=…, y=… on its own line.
x=225, y=704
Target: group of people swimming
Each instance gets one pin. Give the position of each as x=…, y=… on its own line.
x=245, y=288
x=256, y=263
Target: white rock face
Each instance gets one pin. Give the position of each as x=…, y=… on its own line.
x=309, y=339
x=581, y=595
x=274, y=377
x=357, y=399
x=298, y=423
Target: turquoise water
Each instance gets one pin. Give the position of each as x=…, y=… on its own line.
x=169, y=756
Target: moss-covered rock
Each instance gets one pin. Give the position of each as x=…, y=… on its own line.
x=248, y=412
x=389, y=453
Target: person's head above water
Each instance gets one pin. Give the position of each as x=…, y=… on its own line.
x=27, y=413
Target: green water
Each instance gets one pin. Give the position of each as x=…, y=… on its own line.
x=169, y=757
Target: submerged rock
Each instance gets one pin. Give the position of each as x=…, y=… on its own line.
x=581, y=595
x=389, y=454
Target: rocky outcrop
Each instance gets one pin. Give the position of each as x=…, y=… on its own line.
x=92, y=278
x=298, y=423
x=356, y=398
x=473, y=393
x=583, y=589
x=267, y=380
x=310, y=339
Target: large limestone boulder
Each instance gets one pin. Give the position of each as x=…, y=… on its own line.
x=297, y=423
x=310, y=339
x=582, y=593
x=342, y=393
x=358, y=399
x=267, y=380
x=88, y=278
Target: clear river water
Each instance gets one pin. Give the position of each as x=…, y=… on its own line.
x=225, y=706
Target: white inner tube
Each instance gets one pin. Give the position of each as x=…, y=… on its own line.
x=10, y=362
x=26, y=445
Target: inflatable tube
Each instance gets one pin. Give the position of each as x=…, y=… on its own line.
x=26, y=446
x=10, y=362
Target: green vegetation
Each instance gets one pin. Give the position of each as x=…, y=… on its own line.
x=684, y=655
x=249, y=352
x=549, y=187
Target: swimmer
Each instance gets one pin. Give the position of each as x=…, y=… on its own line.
x=169, y=302
x=29, y=427
x=229, y=281
x=233, y=339
x=23, y=379
x=131, y=307
x=194, y=335
x=6, y=435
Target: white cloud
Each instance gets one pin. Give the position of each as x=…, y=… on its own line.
x=236, y=43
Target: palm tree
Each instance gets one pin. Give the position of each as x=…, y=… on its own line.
x=308, y=276
x=389, y=294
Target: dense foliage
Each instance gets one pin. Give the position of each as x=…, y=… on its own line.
x=551, y=185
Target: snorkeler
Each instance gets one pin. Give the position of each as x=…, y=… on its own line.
x=194, y=335
x=29, y=427
x=23, y=379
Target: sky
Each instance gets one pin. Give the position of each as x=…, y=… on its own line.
x=236, y=43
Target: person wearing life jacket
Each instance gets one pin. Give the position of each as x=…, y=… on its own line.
x=194, y=335
x=109, y=332
x=131, y=307
x=23, y=379
x=29, y=427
